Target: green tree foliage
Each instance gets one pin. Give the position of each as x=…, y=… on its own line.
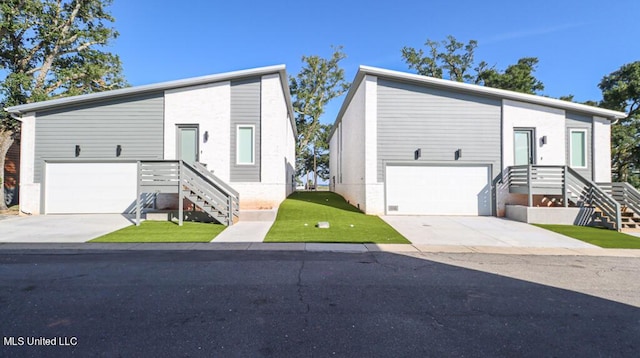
x=315, y=158
x=621, y=92
x=319, y=81
x=518, y=77
x=456, y=60
x=52, y=48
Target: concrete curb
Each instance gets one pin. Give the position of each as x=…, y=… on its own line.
x=315, y=247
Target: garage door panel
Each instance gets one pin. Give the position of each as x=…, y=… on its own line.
x=438, y=190
x=73, y=188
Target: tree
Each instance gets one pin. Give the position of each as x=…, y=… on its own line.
x=52, y=48
x=319, y=81
x=621, y=92
x=457, y=61
x=518, y=77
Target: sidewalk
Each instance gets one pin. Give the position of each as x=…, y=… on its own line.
x=315, y=247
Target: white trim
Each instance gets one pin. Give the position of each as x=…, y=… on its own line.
x=584, y=148
x=253, y=143
x=363, y=71
x=162, y=86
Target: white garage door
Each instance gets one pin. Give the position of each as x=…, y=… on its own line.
x=87, y=188
x=438, y=190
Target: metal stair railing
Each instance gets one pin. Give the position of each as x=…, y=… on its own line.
x=216, y=198
x=212, y=192
x=591, y=194
x=540, y=179
x=625, y=194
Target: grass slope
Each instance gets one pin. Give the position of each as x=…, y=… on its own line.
x=164, y=231
x=300, y=212
x=596, y=236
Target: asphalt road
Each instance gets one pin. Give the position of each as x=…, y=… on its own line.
x=316, y=304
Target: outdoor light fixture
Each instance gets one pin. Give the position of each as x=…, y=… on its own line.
x=77, y=150
x=205, y=137
x=543, y=140
x=417, y=154
x=118, y=150
x=458, y=154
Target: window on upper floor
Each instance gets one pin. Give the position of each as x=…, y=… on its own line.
x=245, y=149
x=578, y=148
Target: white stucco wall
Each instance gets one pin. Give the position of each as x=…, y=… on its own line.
x=374, y=191
x=601, y=150
x=291, y=156
x=352, y=187
x=547, y=121
x=277, y=150
x=29, y=191
x=209, y=106
x=333, y=158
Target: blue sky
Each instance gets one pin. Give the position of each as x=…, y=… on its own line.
x=577, y=42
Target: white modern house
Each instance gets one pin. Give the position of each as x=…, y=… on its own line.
x=405, y=144
x=218, y=140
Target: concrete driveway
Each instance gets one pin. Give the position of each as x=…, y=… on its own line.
x=59, y=228
x=477, y=231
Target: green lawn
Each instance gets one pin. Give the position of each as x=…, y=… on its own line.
x=164, y=231
x=609, y=239
x=300, y=212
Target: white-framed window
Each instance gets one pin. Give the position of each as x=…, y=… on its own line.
x=578, y=148
x=245, y=148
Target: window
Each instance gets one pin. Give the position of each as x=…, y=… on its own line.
x=245, y=149
x=578, y=148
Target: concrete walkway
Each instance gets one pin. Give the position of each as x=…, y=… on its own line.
x=68, y=233
x=245, y=231
x=478, y=231
x=60, y=228
x=252, y=227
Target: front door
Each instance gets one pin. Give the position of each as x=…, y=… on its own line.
x=523, y=147
x=188, y=143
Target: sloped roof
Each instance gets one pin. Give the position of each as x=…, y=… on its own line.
x=472, y=89
x=163, y=86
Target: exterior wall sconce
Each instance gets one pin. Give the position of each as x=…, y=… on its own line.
x=205, y=137
x=458, y=154
x=543, y=140
x=77, y=150
x=417, y=154
x=118, y=150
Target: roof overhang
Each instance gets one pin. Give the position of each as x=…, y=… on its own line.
x=16, y=111
x=472, y=89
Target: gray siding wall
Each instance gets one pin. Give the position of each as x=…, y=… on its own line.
x=579, y=121
x=439, y=122
x=245, y=109
x=135, y=123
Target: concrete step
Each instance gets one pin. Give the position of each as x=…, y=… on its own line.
x=258, y=215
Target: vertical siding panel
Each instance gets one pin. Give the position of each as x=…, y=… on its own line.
x=578, y=121
x=245, y=109
x=437, y=121
x=135, y=123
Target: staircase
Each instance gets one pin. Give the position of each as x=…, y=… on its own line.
x=629, y=199
x=191, y=181
x=598, y=207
